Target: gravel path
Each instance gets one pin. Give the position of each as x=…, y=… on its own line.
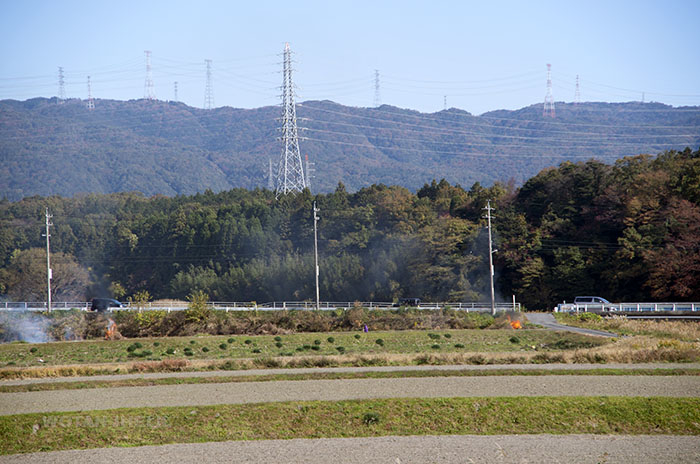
x=314, y=370
x=570, y=449
x=548, y=321
x=333, y=390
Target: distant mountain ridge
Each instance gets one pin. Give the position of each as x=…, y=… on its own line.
x=169, y=148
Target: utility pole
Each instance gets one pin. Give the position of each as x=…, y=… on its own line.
x=318, y=299
x=48, y=261
x=491, y=252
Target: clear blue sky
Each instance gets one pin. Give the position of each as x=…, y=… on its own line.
x=482, y=55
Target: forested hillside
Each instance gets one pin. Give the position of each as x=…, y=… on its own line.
x=169, y=148
x=626, y=231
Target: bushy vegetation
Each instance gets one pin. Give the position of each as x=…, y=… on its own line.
x=626, y=232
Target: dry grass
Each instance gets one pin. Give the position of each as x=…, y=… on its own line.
x=679, y=330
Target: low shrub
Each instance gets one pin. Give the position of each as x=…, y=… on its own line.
x=33, y=349
x=370, y=418
x=330, y=340
x=358, y=336
x=256, y=350
x=231, y=340
x=170, y=351
x=514, y=339
x=379, y=342
x=205, y=349
x=192, y=342
x=459, y=345
x=248, y=341
x=435, y=347
x=316, y=347
x=447, y=335
x=434, y=336
x=223, y=346
x=340, y=349
x=278, y=338
x=279, y=344
x=590, y=317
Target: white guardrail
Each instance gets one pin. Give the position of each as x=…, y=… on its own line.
x=251, y=306
x=626, y=307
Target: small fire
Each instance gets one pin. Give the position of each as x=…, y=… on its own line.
x=515, y=324
x=110, y=330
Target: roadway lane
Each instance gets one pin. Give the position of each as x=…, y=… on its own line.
x=346, y=389
x=548, y=321
x=449, y=449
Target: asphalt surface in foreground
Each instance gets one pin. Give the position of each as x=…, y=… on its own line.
x=548, y=321
x=346, y=389
x=570, y=449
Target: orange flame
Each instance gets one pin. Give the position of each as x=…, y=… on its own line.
x=514, y=324
x=110, y=330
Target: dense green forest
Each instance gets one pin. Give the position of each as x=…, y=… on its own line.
x=169, y=148
x=628, y=231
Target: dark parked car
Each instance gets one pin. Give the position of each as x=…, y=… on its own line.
x=103, y=304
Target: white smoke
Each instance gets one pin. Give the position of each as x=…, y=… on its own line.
x=24, y=326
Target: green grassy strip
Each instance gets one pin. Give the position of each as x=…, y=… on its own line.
x=293, y=346
x=154, y=426
x=140, y=382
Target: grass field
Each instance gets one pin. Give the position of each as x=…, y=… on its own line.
x=535, y=415
x=294, y=345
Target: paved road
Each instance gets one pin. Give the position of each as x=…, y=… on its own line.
x=548, y=321
x=346, y=389
x=569, y=449
x=315, y=370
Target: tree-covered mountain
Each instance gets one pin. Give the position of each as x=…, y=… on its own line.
x=169, y=148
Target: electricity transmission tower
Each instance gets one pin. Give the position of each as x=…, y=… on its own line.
x=209, y=89
x=61, y=86
x=90, y=101
x=175, y=92
x=577, y=95
x=290, y=171
x=377, y=95
x=548, y=109
x=270, y=177
x=149, y=93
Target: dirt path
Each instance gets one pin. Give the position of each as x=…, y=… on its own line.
x=315, y=370
x=548, y=321
x=570, y=449
x=333, y=390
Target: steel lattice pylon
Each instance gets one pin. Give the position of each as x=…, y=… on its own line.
x=290, y=171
